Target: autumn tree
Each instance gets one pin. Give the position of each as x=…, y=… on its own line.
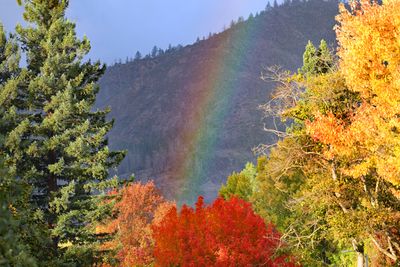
x=345, y=125
x=225, y=233
x=298, y=187
x=139, y=206
x=367, y=143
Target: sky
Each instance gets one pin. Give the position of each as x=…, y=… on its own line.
x=119, y=28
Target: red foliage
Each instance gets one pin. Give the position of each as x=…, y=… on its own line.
x=227, y=233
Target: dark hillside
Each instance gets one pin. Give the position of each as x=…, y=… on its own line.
x=197, y=106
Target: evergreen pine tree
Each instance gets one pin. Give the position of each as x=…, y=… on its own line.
x=58, y=144
x=20, y=235
x=325, y=60
x=9, y=80
x=13, y=250
x=9, y=57
x=251, y=17
x=309, y=59
x=154, y=51
x=138, y=55
x=241, y=185
x=316, y=61
x=287, y=2
x=268, y=7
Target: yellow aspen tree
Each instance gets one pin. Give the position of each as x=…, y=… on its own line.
x=367, y=141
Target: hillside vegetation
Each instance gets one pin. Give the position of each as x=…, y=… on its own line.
x=151, y=99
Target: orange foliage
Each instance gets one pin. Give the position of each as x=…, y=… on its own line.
x=327, y=129
x=369, y=52
x=140, y=206
x=227, y=233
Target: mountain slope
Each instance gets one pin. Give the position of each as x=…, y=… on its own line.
x=189, y=117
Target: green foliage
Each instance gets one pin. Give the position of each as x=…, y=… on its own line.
x=298, y=200
x=9, y=82
x=54, y=142
x=275, y=190
x=241, y=185
x=14, y=251
x=317, y=61
x=16, y=247
x=309, y=59
x=24, y=238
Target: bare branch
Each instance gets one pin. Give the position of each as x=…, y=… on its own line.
x=385, y=252
x=280, y=134
x=286, y=95
x=334, y=175
x=345, y=210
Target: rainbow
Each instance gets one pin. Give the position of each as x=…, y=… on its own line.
x=213, y=103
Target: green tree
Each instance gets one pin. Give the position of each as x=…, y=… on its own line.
x=325, y=58
x=317, y=61
x=9, y=81
x=138, y=55
x=56, y=142
x=21, y=233
x=309, y=59
x=13, y=250
x=268, y=6
x=154, y=51
x=241, y=185
x=23, y=240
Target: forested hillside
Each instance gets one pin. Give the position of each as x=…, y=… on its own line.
x=162, y=102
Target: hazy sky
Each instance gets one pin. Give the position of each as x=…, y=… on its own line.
x=118, y=28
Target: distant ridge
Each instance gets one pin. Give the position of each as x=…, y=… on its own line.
x=189, y=117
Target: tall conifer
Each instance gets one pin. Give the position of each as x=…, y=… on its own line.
x=58, y=144
x=9, y=79
x=317, y=61
x=15, y=222
x=309, y=59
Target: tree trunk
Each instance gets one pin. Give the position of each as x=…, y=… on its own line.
x=359, y=249
x=360, y=259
